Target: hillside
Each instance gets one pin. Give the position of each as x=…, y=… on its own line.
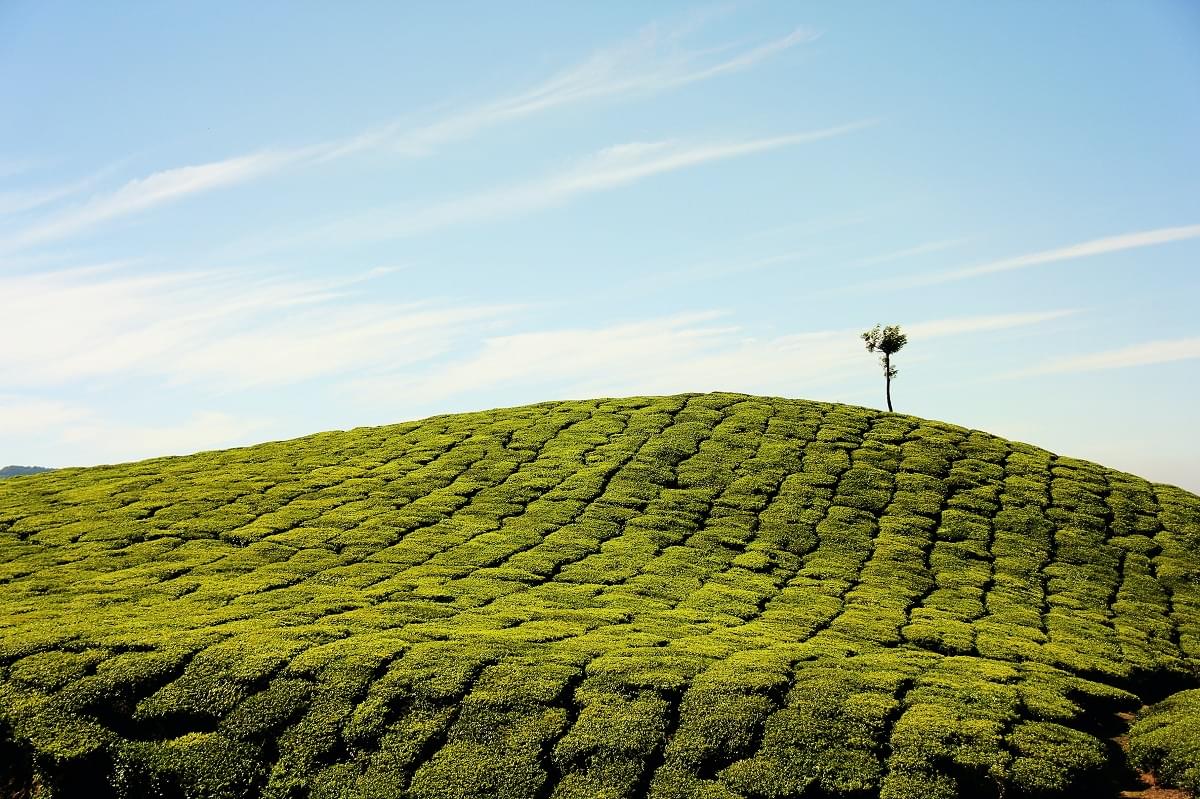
x=16, y=471
x=710, y=595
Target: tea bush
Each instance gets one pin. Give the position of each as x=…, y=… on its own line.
x=1166, y=738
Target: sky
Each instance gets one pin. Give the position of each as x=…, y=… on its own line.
x=224, y=223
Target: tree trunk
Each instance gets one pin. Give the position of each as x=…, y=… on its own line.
x=887, y=372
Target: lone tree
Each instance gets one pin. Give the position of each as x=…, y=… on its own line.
x=887, y=340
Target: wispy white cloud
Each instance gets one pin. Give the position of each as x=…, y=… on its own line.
x=910, y=252
x=43, y=431
x=688, y=352
x=608, y=169
x=1086, y=249
x=562, y=356
x=106, y=440
x=1150, y=352
x=25, y=415
x=625, y=163
x=980, y=324
x=24, y=200
x=156, y=189
x=328, y=341
x=650, y=63
x=218, y=330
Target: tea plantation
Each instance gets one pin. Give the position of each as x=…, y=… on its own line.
x=710, y=595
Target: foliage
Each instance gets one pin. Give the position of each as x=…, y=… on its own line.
x=887, y=341
x=709, y=595
x=1166, y=739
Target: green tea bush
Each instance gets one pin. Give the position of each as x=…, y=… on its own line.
x=1052, y=759
x=195, y=766
x=1166, y=740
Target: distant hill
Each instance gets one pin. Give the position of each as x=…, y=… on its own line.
x=710, y=595
x=13, y=471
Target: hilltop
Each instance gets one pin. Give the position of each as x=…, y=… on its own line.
x=708, y=595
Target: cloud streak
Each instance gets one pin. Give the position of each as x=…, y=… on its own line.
x=23, y=415
x=920, y=249
x=106, y=440
x=1146, y=354
x=635, y=68
x=1086, y=249
x=608, y=169
x=49, y=432
x=18, y=202
x=158, y=188
x=981, y=324
x=218, y=330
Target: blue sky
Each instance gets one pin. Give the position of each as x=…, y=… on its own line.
x=223, y=223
